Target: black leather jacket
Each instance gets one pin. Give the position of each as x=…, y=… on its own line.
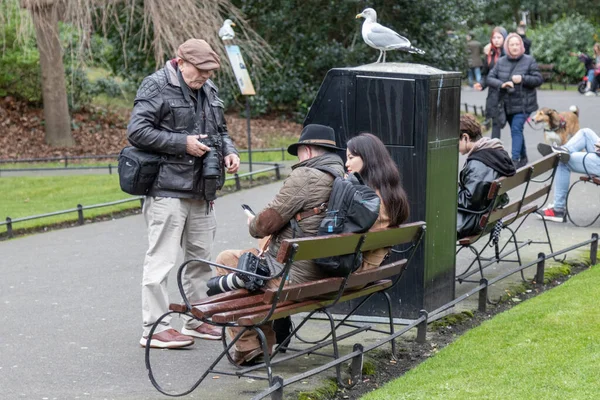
x=474, y=184
x=161, y=119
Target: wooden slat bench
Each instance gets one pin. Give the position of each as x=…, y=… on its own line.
x=240, y=308
x=527, y=202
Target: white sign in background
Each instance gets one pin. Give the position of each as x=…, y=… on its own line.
x=239, y=69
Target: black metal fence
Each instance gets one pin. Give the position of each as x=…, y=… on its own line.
x=68, y=160
x=79, y=209
x=474, y=108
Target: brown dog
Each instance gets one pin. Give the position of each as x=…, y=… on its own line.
x=558, y=127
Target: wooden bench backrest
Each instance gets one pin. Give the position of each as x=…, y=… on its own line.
x=318, y=246
x=334, y=245
x=392, y=236
x=507, y=183
x=523, y=175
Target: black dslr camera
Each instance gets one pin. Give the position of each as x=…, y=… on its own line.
x=211, y=168
x=248, y=262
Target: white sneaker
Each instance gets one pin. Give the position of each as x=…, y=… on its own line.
x=590, y=93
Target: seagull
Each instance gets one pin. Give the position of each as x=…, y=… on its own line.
x=381, y=38
x=226, y=32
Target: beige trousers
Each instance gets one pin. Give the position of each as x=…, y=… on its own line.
x=175, y=225
x=249, y=339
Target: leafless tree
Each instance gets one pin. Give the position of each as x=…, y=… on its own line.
x=167, y=24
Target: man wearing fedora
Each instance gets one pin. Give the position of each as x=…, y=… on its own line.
x=177, y=113
x=303, y=197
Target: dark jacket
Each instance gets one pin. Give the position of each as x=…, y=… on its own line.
x=305, y=188
x=162, y=117
x=493, y=96
x=480, y=170
x=474, y=53
x=523, y=99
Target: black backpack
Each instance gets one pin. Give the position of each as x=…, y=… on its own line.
x=353, y=207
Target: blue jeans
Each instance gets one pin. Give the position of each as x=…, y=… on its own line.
x=590, y=76
x=477, y=72
x=580, y=161
x=517, y=121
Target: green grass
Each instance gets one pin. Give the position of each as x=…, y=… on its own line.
x=545, y=348
x=28, y=196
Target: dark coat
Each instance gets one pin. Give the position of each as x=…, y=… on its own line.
x=474, y=184
x=162, y=118
x=493, y=96
x=523, y=99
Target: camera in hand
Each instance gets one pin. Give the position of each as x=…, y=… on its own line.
x=248, y=262
x=211, y=165
x=211, y=169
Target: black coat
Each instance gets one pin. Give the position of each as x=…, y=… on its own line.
x=493, y=95
x=162, y=118
x=475, y=179
x=523, y=99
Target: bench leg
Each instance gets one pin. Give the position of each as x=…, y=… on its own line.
x=357, y=365
x=149, y=367
x=391, y=316
x=461, y=277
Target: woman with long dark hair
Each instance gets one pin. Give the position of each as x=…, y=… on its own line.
x=368, y=156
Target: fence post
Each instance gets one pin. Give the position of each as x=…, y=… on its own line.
x=593, y=249
x=142, y=201
x=482, y=111
x=483, y=294
x=277, y=173
x=66, y=161
x=80, y=214
x=109, y=169
x=422, y=328
x=466, y=108
x=238, y=186
x=282, y=154
x=9, y=230
x=475, y=109
x=539, y=275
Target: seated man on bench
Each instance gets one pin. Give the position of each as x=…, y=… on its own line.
x=572, y=159
x=486, y=161
x=307, y=188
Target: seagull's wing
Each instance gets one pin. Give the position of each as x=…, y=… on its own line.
x=222, y=31
x=385, y=38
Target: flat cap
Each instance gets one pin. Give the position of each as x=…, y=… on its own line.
x=199, y=53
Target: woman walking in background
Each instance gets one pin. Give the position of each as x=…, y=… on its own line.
x=516, y=76
x=493, y=51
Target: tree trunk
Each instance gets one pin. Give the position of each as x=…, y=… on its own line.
x=54, y=90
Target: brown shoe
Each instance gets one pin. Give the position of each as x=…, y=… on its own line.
x=247, y=358
x=169, y=339
x=204, y=331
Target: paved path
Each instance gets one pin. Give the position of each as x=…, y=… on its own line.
x=70, y=299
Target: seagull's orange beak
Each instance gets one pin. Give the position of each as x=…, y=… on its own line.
x=359, y=16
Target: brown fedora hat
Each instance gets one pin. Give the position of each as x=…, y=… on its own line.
x=315, y=135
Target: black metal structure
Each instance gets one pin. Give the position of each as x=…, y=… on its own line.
x=415, y=110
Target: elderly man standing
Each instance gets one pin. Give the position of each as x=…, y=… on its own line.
x=177, y=113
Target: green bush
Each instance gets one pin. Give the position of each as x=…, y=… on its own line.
x=20, y=74
x=552, y=44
